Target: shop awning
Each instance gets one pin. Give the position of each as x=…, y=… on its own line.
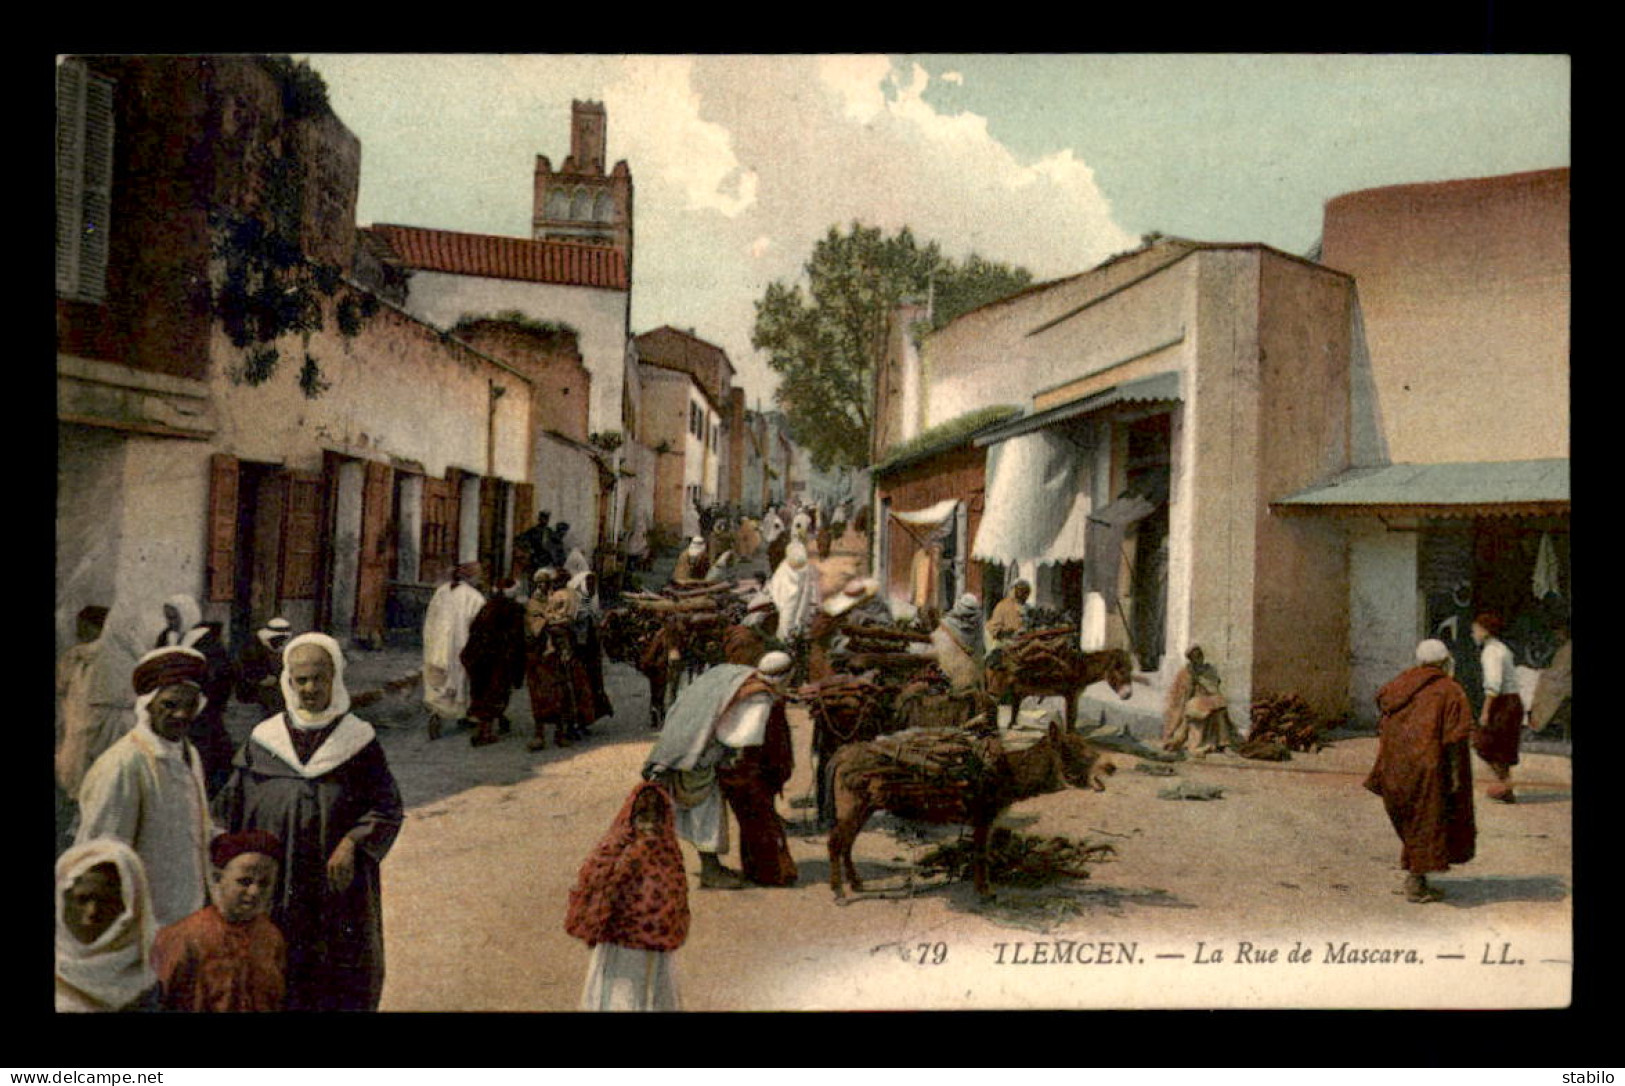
x=930, y=516
x=1037, y=501
x=1464, y=489
x=1159, y=388
x=931, y=524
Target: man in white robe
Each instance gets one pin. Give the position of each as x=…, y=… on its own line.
x=446, y=691
x=795, y=592
x=147, y=788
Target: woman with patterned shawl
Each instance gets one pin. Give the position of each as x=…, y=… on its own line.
x=630, y=905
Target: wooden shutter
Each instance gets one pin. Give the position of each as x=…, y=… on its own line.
x=490, y=543
x=70, y=82
x=222, y=540
x=84, y=180
x=439, y=549
x=524, y=515
x=302, y=536
x=372, y=581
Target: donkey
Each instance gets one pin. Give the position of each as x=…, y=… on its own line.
x=867, y=779
x=1010, y=686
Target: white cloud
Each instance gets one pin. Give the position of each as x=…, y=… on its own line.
x=815, y=142
x=656, y=96
x=953, y=77
x=740, y=164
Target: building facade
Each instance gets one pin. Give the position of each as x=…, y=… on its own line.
x=1457, y=497
x=690, y=419
x=326, y=458
x=1163, y=399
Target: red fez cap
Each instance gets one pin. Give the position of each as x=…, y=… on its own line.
x=166, y=667
x=228, y=846
x=1490, y=621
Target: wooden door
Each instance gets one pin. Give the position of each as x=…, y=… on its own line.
x=372, y=576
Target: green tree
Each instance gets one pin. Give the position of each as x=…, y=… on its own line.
x=826, y=340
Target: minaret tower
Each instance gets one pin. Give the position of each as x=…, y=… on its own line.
x=580, y=202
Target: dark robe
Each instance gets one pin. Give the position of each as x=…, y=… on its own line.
x=536, y=544
x=749, y=783
x=494, y=656
x=207, y=733
x=820, y=639
x=1423, y=771
x=560, y=689
x=777, y=549
x=258, y=662
x=591, y=651
x=335, y=941
x=1497, y=741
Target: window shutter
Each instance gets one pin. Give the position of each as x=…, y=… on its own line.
x=222, y=541
x=84, y=180
x=98, y=189
x=70, y=82
x=301, y=535
x=439, y=530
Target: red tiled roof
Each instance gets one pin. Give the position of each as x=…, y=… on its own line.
x=562, y=262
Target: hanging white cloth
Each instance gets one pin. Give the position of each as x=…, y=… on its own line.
x=1545, y=580
x=1037, y=506
x=1093, y=635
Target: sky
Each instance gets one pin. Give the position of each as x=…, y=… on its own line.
x=1054, y=162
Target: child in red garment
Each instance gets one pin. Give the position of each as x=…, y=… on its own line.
x=228, y=956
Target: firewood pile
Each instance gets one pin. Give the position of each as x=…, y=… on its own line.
x=1046, y=654
x=1286, y=720
x=705, y=612
x=846, y=709
x=930, y=761
x=624, y=631
x=925, y=701
x=882, y=650
x=1019, y=859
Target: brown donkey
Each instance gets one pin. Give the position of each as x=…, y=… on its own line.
x=951, y=778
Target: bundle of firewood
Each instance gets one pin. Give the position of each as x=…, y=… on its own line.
x=882, y=639
x=845, y=709
x=1019, y=859
x=1042, y=655
x=1285, y=719
x=939, y=757
x=623, y=631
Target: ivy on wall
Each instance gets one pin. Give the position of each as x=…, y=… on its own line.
x=268, y=287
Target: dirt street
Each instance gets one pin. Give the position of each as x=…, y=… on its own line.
x=1294, y=860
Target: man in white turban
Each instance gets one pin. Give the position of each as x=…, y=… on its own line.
x=727, y=737
x=446, y=690
x=691, y=564
x=316, y=777
x=1423, y=771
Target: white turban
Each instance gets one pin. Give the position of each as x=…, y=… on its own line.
x=340, y=703
x=1432, y=651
